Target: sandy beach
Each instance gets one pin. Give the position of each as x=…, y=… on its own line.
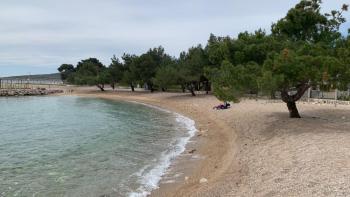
x=254, y=149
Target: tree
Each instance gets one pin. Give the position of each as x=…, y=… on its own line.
x=309, y=57
x=142, y=69
x=145, y=68
x=103, y=78
x=268, y=84
x=191, y=66
x=295, y=73
x=165, y=76
x=218, y=50
x=91, y=72
x=116, y=71
x=305, y=49
x=232, y=82
x=306, y=22
x=129, y=74
x=343, y=54
x=248, y=47
x=66, y=70
x=249, y=50
x=146, y=65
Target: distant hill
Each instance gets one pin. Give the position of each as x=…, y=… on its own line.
x=43, y=77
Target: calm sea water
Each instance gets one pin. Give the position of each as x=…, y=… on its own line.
x=72, y=146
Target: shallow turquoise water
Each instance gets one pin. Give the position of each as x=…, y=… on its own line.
x=72, y=146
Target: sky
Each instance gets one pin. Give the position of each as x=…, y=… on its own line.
x=36, y=36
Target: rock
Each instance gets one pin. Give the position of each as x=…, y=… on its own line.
x=192, y=151
x=186, y=178
x=203, y=180
x=28, y=92
x=343, y=117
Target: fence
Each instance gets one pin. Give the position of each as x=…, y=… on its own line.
x=28, y=84
x=317, y=94
x=334, y=95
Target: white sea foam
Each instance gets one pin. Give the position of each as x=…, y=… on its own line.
x=150, y=180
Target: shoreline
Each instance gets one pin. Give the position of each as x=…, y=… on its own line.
x=185, y=171
x=179, y=147
x=253, y=148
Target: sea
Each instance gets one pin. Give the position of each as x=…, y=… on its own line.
x=77, y=146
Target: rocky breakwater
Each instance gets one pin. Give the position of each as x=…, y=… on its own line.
x=28, y=92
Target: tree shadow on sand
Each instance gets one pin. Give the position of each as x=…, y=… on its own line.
x=312, y=121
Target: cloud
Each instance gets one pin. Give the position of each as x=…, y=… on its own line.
x=44, y=34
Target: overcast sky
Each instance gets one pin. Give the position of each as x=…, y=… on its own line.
x=36, y=36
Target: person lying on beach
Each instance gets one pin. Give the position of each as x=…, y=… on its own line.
x=226, y=105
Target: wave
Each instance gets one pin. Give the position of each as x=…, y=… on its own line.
x=150, y=180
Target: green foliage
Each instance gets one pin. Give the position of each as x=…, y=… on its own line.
x=190, y=70
x=91, y=72
x=129, y=74
x=104, y=77
x=218, y=49
x=344, y=98
x=246, y=48
x=306, y=22
x=66, y=71
x=166, y=76
x=193, y=63
x=290, y=67
x=232, y=82
x=304, y=49
x=116, y=70
x=288, y=70
x=142, y=69
x=269, y=83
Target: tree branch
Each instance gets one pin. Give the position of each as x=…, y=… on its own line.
x=300, y=92
x=301, y=89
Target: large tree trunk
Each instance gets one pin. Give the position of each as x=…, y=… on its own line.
x=290, y=100
x=101, y=86
x=150, y=87
x=132, y=87
x=207, y=87
x=113, y=86
x=293, y=110
x=190, y=87
x=192, y=92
